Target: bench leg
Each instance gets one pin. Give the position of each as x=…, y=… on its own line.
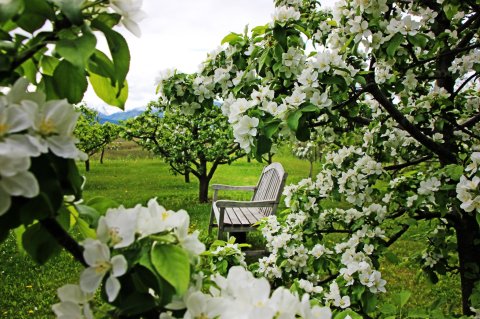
x=221, y=234
x=210, y=225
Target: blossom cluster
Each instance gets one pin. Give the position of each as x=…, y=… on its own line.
x=241, y=295
x=301, y=250
x=468, y=190
x=121, y=228
x=29, y=127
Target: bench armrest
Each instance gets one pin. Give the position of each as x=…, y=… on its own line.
x=237, y=203
x=231, y=187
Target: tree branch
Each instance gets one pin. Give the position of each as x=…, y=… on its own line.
x=473, y=76
x=407, y=164
x=397, y=235
x=406, y=125
x=64, y=239
x=472, y=121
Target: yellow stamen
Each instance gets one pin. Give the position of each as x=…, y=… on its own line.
x=3, y=129
x=103, y=267
x=47, y=127
x=165, y=215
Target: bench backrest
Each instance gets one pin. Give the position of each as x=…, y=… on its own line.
x=270, y=186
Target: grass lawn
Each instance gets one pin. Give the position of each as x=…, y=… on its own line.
x=130, y=176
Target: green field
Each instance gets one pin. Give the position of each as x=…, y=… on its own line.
x=131, y=176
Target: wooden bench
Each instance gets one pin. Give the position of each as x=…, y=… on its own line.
x=241, y=216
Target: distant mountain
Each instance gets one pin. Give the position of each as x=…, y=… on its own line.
x=119, y=116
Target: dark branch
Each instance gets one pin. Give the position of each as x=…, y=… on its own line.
x=406, y=125
x=64, y=239
x=473, y=76
x=407, y=164
x=472, y=121
x=396, y=236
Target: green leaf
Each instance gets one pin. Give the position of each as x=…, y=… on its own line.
x=418, y=40
x=30, y=71
x=100, y=64
x=388, y=309
x=402, y=297
x=394, y=43
x=72, y=9
x=278, y=52
x=108, y=93
x=172, y=263
x=280, y=34
x=48, y=64
x=293, y=118
x=309, y=108
x=9, y=9
x=109, y=19
x=84, y=229
x=264, y=145
x=369, y=301
x=454, y=171
x=303, y=133
x=101, y=204
x=18, y=236
x=232, y=38
x=39, y=243
x=70, y=82
x=270, y=129
x=450, y=10
x=118, y=49
x=77, y=51
x=89, y=214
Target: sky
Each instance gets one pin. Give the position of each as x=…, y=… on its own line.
x=179, y=34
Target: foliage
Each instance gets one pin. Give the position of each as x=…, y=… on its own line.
x=393, y=85
x=93, y=136
x=189, y=143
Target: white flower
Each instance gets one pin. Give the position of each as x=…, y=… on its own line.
x=473, y=166
x=117, y=227
x=155, y=219
x=429, y=186
x=284, y=14
x=131, y=13
x=15, y=180
x=97, y=257
x=74, y=303
x=54, y=124
x=246, y=126
x=200, y=305
x=188, y=241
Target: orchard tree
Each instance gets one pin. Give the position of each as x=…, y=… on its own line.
x=93, y=136
x=189, y=143
x=395, y=84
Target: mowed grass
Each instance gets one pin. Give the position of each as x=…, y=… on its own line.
x=131, y=176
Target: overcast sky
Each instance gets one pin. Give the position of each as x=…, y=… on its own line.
x=179, y=34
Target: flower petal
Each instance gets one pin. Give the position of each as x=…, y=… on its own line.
x=112, y=288
x=90, y=279
x=72, y=293
x=5, y=201
x=95, y=252
x=22, y=184
x=119, y=265
x=67, y=309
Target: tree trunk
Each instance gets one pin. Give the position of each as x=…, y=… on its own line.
x=311, y=169
x=87, y=165
x=203, y=189
x=101, y=155
x=467, y=231
x=187, y=176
